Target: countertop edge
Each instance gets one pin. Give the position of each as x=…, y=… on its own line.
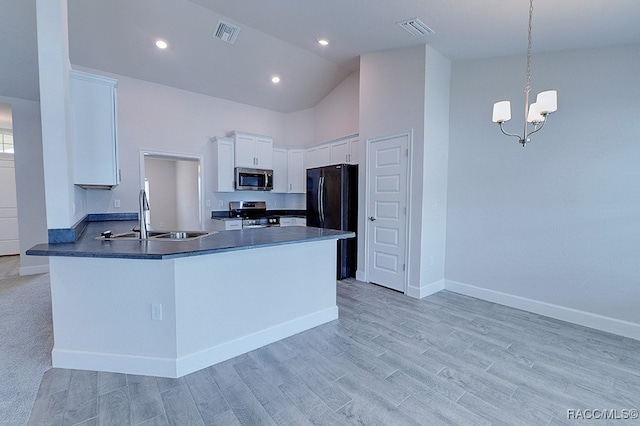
x=74, y=250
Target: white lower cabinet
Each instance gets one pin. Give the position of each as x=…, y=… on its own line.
x=227, y=224
x=293, y=221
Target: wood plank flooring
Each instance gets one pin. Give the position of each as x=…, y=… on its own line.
x=388, y=360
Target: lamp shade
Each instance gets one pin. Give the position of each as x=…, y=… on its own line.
x=501, y=111
x=547, y=101
x=534, y=115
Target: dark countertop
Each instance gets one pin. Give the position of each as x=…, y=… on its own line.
x=223, y=241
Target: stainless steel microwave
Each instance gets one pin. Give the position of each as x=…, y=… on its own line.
x=254, y=179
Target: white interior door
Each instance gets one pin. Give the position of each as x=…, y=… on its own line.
x=387, y=211
x=9, y=239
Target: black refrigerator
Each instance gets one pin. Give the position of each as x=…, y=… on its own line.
x=332, y=203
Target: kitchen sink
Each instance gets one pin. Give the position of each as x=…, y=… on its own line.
x=156, y=235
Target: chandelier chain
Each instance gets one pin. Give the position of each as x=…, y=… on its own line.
x=528, y=86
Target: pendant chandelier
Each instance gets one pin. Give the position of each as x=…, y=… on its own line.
x=536, y=113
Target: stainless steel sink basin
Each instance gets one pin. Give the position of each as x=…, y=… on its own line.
x=156, y=235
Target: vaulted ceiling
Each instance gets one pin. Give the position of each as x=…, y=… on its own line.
x=279, y=37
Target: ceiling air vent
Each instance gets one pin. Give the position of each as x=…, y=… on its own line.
x=226, y=32
x=416, y=27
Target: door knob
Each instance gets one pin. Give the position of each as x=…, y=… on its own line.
x=371, y=218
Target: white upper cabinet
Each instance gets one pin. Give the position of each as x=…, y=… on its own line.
x=95, y=130
x=280, y=170
x=324, y=155
x=339, y=151
x=354, y=150
x=289, y=174
x=222, y=159
x=253, y=151
x=297, y=173
x=311, y=157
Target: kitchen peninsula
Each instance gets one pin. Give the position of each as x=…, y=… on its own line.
x=168, y=308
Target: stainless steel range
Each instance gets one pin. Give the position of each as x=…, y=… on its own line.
x=253, y=214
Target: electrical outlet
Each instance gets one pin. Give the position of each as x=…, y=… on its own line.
x=116, y=204
x=220, y=203
x=208, y=203
x=156, y=311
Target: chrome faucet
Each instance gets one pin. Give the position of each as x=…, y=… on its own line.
x=142, y=215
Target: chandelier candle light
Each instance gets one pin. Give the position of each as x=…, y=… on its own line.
x=537, y=112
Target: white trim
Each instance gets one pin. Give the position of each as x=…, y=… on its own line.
x=34, y=270
x=199, y=360
x=575, y=316
x=181, y=366
x=409, y=136
x=180, y=156
x=425, y=290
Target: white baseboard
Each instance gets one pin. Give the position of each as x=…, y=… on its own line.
x=426, y=290
x=34, y=270
x=178, y=367
x=587, y=319
x=361, y=276
x=197, y=361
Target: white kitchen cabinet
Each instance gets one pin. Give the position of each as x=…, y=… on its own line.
x=286, y=221
x=340, y=151
x=324, y=155
x=297, y=175
x=345, y=151
x=227, y=224
x=318, y=156
x=289, y=174
x=280, y=170
x=292, y=221
x=354, y=150
x=311, y=157
x=253, y=151
x=222, y=160
x=95, y=130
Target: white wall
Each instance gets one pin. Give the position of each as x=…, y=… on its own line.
x=395, y=98
x=338, y=114
x=66, y=203
x=557, y=222
x=32, y=220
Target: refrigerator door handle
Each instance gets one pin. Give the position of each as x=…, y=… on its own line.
x=321, y=200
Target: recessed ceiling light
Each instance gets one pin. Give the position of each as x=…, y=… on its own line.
x=275, y=79
x=161, y=44
x=323, y=42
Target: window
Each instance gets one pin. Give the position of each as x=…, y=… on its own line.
x=6, y=142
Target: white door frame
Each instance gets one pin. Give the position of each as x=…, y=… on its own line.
x=178, y=156
x=409, y=136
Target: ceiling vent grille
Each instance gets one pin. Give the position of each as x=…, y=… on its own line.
x=416, y=27
x=226, y=32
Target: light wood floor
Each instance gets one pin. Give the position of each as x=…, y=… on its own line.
x=388, y=360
